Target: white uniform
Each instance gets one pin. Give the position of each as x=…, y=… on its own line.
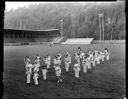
x=78, y=59
x=35, y=77
x=84, y=63
x=76, y=69
x=36, y=67
x=92, y=59
x=37, y=60
x=44, y=72
x=48, y=61
x=106, y=55
x=29, y=72
x=102, y=56
x=97, y=58
x=88, y=63
x=55, y=62
x=67, y=63
x=27, y=61
x=58, y=71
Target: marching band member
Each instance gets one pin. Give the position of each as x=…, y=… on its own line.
x=35, y=77
x=106, y=53
x=102, y=55
x=38, y=59
x=76, y=69
x=37, y=63
x=57, y=69
x=91, y=59
x=59, y=58
x=27, y=61
x=59, y=55
x=29, y=67
x=49, y=61
x=67, y=62
x=97, y=57
x=44, y=68
x=88, y=62
x=29, y=73
x=78, y=58
x=94, y=60
x=68, y=53
x=36, y=66
x=84, y=63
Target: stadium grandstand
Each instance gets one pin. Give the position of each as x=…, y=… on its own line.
x=78, y=41
x=26, y=36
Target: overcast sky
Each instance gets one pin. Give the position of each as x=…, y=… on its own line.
x=15, y=5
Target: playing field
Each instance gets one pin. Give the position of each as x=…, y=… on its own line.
x=106, y=80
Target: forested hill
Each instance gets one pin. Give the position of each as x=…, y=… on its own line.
x=79, y=19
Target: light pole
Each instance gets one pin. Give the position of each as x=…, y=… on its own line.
x=61, y=27
x=103, y=25
x=100, y=24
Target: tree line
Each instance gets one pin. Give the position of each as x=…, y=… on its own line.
x=80, y=20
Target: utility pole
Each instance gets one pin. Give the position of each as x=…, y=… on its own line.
x=100, y=15
x=61, y=27
x=103, y=25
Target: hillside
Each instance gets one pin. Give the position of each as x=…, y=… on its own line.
x=80, y=19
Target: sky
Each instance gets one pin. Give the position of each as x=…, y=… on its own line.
x=15, y=5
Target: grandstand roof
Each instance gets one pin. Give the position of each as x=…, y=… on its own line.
x=48, y=31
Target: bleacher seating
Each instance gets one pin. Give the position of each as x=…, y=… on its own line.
x=57, y=40
x=78, y=41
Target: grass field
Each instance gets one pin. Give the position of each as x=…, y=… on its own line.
x=106, y=80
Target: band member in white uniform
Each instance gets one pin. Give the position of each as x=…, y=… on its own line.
x=97, y=58
x=38, y=59
x=67, y=62
x=48, y=61
x=44, y=68
x=106, y=53
x=36, y=66
x=57, y=69
x=29, y=67
x=76, y=69
x=91, y=59
x=84, y=63
x=27, y=61
x=88, y=62
x=102, y=55
x=35, y=77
